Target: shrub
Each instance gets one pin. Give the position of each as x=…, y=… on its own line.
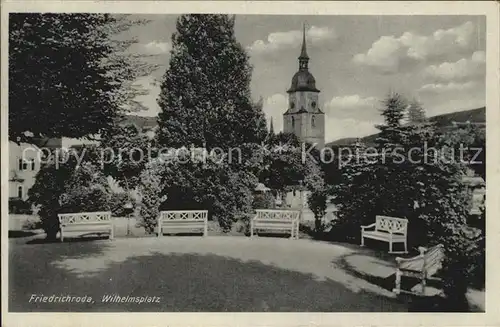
x=32, y=223
x=67, y=187
x=226, y=193
x=317, y=204
x=464, y=252
x=264, y=200
x=19, y=207
x=85, y=198
x=150, y=196
x=242, y=225
x=130, y=144
x=117, y=202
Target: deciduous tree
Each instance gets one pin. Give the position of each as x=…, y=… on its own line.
x=69, y=74
x=126, y=151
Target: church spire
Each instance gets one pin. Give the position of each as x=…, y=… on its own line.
x=303, y=52
x=303, y=58
x=271, y=128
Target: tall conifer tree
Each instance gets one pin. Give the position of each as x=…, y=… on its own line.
x=416, y=113
x=393, y=111
x=205, y=95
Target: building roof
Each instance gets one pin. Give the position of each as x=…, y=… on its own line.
x=303, y=52
x=302, y=111
x=303, y=80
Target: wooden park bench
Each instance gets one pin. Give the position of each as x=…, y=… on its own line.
x=89, y=222
x=182, y=221
x=424, y=266
x=388, y=229
x=286, y=221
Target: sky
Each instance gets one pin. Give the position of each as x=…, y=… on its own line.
x=356, y=60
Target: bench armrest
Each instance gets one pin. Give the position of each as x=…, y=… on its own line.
x=422, y=250
x=401, y=260
x=368, y=226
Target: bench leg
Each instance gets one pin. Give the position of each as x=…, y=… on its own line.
x=362, y=240
x=111, y=233
x=205, y=229
x=423, y=284
x=397, y=288
x=62, y=236
x=390, y=246
x=251, y=228
x=406, y=247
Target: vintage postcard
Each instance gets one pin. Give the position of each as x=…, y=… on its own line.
x=250, y=163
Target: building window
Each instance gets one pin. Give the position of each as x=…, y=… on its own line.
x=33, y=164
x=313, y=122
x=293, y=122
x=22, y=165
x=313, y=104
x=20, y=191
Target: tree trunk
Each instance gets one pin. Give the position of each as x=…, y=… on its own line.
x=318, y=227
x=51, y=228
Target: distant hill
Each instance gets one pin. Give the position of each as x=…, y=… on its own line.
x=344, y=141
x=474, y=116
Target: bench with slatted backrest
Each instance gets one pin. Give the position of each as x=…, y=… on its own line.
x=277, y=221
x=388, y=229
x=87, y=222
x=423, y=267
x=181, y=221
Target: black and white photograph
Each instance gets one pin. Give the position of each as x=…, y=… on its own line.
x=169, y=162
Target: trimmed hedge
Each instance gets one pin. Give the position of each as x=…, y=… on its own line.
x=19, y=207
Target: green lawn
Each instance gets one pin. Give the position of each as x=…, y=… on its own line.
x=191, y=274
x=232, y=273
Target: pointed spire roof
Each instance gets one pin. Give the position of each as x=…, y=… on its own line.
x=303, y=80
x=303, y=52
x=271, y=127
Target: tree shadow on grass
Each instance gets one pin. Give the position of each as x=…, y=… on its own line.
x=90, y=237
x=194, y=283
x=21, y=233
x=31, y=271
x=181, y=234
x=273, y=235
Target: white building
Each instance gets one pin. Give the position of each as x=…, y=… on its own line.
x=24, y=164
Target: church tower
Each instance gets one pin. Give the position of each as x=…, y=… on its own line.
x=304, y=118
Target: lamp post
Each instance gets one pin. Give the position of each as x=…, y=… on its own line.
x=129, y=208
x=301, y=201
